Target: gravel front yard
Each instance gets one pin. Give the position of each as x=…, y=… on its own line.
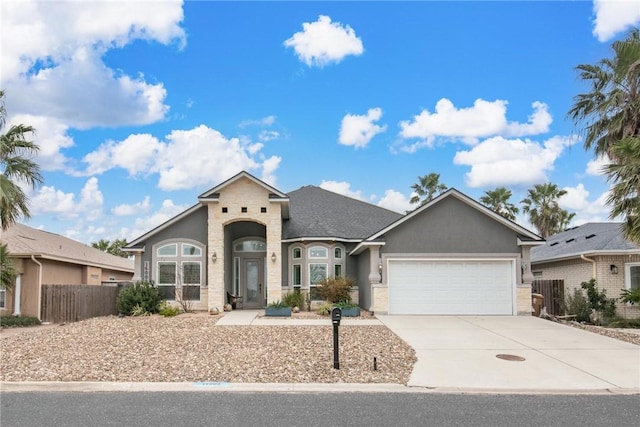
x=192, y=348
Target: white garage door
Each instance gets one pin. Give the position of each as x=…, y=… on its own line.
x=451, y=287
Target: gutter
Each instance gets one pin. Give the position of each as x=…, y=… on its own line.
x=593, y=262
x=33, y=258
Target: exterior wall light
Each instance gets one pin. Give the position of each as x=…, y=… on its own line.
x=613, y=269
x=214, y=257
x=273, y=257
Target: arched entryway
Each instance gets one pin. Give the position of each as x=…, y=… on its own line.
x=246, y=272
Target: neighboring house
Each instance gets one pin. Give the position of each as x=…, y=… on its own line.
x=44, y=258
x=450, y=256
x=593, y=250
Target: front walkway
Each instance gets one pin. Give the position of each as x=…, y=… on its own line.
x=250, y=318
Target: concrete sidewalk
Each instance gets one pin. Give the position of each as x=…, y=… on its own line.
x=460, y=352
x=250, y=318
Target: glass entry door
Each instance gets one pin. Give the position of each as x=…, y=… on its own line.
x=251, y=277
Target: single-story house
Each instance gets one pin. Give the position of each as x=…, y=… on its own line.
x=245, y=237
x=593, y=250
x=44, y=258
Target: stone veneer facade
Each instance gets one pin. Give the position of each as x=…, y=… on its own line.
x=240, y=194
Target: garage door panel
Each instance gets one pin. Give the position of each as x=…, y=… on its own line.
x=451, y=287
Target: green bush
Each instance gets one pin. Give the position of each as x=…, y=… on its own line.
x=294, y=299
x=18, y=321
x=598, y=301
x=345, y=304
x=141, y=298
x=168, y=310
x=336, y=289
x=578, y=305
x=619, y=322
x=277, y=304
x=630, y=296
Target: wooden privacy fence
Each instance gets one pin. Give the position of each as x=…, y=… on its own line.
x=71, y=303
x=553, y=293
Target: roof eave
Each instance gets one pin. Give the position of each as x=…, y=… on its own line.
x=586, y=253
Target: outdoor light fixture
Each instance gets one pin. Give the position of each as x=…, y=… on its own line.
x=273, y=257
x=214, y=257
x=380, y=268
x=613, y=269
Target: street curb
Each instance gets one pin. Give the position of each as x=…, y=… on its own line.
x=212, y=386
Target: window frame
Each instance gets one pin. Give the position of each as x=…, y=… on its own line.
x=627, y=274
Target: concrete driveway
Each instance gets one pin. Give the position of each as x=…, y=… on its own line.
x=459, y=352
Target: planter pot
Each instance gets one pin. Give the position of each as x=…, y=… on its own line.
x=280, y=312
x=350, y=312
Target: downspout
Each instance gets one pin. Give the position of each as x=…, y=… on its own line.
x=595, y=271
x=33, y=258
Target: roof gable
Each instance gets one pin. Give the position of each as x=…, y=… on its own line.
x=213, y=192
x=25, y=241
x=589, y=238
x=526, y=235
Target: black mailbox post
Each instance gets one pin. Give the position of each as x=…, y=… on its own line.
x=336, y=315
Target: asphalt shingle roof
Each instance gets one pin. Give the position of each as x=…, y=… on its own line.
x=23, y=241
x=316, y=212
x=589, y=237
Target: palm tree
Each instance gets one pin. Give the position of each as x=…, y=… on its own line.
x=498, y=201
x=115, y=248
x=624, y=197
x=544, y=212
x=427, y=188
x=101, y=244
x=15, y=167
x=610, y=114
x=8, y=270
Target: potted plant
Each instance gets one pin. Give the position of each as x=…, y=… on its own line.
x=278, y=308
x=348, y=309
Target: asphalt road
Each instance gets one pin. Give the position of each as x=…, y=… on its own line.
x=313, y=409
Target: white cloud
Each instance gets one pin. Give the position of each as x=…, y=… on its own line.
x=614, y=16
x=396, y=201
x=49, y=200
x=265, y=121
x=268, y=135
x=595, y=166
x=483, y=119
x=341, y=187
x=52, y=56
x=269, y=167
x=577, y=201
x=143, y=224
x=187, y=159
x=132, y=209
x=324, y=42
x=358, y=130
x=499, y=161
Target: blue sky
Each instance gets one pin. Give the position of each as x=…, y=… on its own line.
x=141, y=106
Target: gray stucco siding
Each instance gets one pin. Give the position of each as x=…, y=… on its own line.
x=191, y=227
x=364, y=265
x=451, y=226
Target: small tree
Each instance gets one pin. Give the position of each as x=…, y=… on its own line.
x=336, y=289
x=598, y=301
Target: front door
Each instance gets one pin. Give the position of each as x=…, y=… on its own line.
x=251, y=279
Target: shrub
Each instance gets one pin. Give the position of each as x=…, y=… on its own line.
x=630, y=296
x=142, y=297
x=598, y=301
x=325, y=309
x=18, y=321
x=168, y=310
x=345, y=304
x=336, y=289
x=294, y=299
x=619, y=322
x=578, y=305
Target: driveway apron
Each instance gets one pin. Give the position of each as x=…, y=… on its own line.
x=514, y=353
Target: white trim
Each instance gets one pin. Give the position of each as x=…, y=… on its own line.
x=244, y=174
x=364, y=245
x=587, y=253
x=627, y=273
x=531, y=242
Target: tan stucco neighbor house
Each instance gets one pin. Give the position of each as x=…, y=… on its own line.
x=245, y=237
x=593, y=250
x=45, y=258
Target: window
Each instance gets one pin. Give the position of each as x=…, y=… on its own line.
x=3, y=295
x=337, y=270
x=317, y=273
x=168, y=250
x=297, y=253
x=297, y=275
x=251, y=246
x=167, y=279
x=337, y=253
x=191, y=281
x=318, y=252
x=190, y=250
x=632, y=276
